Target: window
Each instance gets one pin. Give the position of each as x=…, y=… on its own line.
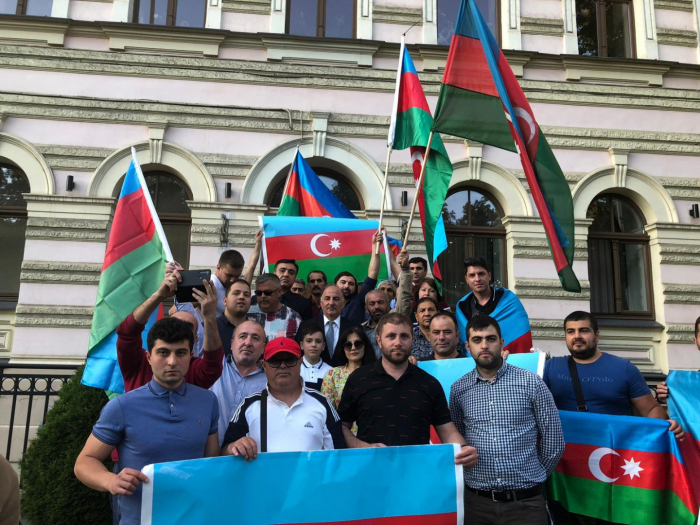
x=447, y=18
x=605, y=28
x=13, y=226
x=334, y=181
x=26, y=7
x=329, y=18
x=618, y=258
x=473, y=226
x=180, y=13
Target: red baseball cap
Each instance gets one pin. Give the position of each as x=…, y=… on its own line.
x=281, y=345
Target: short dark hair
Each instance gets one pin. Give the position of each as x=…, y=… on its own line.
x=311, y=329
x=419, y=260
x=449, y=315
x=287, y=261
x=242, y=281
x=170, y=330
x=344, y=274
x=425, y=300
x=580, y=315
x=480, y=322
x=369, y=356
x=479, y=262
x=697, y=327
x=231, y=258
x=308, y=277
x=432, y=284
x=392, y=318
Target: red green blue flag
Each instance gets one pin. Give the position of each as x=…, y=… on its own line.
x=410, y=128
x=133, y=268
x=480, y=99
x=330, y=245
x=623, y=469
x=306, y=195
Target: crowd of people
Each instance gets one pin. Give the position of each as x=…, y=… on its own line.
x=319, y=365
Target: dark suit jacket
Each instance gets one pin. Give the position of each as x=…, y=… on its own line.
x=325, y=355
x=299, y=304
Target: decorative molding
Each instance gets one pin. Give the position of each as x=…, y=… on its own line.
x=256, y=7
x=568, y=13
x=532, y=248
x=680, y=333
x=67, y=229
x=680, y=254
x=320, y=127
x=682, y=293
x=156, y=133
x=74, y=158
x=29, y=159
x=549, y=289
x=397, y=15
x=474, y=154
x=54, y=316
x=619, y=162
x=640, y=73
x=60, y=272
x=677, y=37
x=131, y=37
x=337, y=52
x=20, y=30
x=541, y=26
x=675, y=5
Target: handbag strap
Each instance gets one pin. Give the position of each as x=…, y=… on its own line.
x=576, y=382
x=263, y=421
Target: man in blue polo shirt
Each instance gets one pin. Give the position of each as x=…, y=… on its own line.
x=164, y=420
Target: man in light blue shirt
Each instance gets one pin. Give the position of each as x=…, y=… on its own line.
x=164, y=420
x=241, y=375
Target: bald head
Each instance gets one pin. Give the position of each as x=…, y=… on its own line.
x=188, y=318
x=332, y=302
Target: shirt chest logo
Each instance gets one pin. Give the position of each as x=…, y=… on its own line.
x=308, y=425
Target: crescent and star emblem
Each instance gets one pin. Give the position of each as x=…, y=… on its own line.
x=334, y=245
x=631, y=467
x=524, y=115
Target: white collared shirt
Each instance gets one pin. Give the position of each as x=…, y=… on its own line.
x=336, y=332
x=314, y=374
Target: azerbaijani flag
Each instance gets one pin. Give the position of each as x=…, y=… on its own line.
x=330, y=245
x=683, y=388
x=511, y=317
x=356, y=486
x=306, y=195
x=623, y=469
x=134, y=266
x=410, y=128
x=480, y=99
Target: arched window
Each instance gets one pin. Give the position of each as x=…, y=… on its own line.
x=169, y=196
x=182, y=13
x=447, y=17
x=618, y=258
x=13, y=227
x=334, y=181
x=26, y=7
x=473, y=225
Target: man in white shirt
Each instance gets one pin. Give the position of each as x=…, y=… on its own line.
x=313, y=369
x=286, y=416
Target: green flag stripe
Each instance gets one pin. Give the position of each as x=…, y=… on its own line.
x=124, y=285
x=474, y=116
x=289, y=207
x=332, y=266
x=616, y=503
x=413, y=129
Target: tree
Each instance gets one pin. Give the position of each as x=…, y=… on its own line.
x=50, y=491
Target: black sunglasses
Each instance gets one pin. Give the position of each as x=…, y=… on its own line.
x=359, y=345
x=289, y=363
x=266, y=293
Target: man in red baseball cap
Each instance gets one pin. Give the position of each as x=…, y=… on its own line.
x=286, y=416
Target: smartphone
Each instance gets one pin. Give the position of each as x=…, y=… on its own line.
x=191, y=280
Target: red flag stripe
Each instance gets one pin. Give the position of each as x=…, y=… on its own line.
x=308, y=205
x=411, y=94
x=449, y=518
x=521, y=345
x=299, y=246
x=128, y=230
x=473, y=74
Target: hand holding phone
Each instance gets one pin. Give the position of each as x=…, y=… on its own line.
x=191, y=280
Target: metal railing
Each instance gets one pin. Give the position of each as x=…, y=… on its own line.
x=28, y=391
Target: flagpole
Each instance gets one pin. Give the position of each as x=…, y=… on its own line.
x=151, y=207
x=291, y=167
x=386, y=178
x=419, y=185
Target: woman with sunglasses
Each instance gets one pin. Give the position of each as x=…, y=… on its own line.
x=357, y=352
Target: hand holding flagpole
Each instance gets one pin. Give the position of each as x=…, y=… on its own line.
x=419, y=188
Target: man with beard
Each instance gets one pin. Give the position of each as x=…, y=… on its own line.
x=317, y=282
x=508, y=414
x=237, y=306
x=287, y=270
x=444, y=337
x=241, y=376
x=394, y=402
x=228, y=270
x=609, y=384
x=279, y=320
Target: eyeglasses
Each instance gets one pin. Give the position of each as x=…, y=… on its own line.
x=289, y=363
x=359, y=345
x=266, y=293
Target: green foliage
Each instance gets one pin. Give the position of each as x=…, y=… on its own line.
x=50, y=491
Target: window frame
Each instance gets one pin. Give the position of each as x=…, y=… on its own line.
x=320, y=19
x=10, y=212
x=170, y=17
x=602, y=27
x=22, y=7
x=347, y=181
x=616, y=239
x=498, y=22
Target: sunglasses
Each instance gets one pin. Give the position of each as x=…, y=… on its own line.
x=289, y=363
x=266, y=293
x=359, y=345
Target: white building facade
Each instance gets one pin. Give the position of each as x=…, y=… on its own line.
x=215, y=95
